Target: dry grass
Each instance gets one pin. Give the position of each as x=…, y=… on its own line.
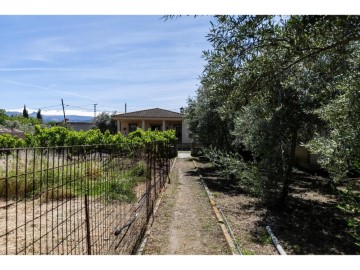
x=55, y=224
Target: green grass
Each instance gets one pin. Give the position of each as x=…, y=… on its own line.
x=297, y=249
x=263, y=237
x=59, y=179
x=247, y=252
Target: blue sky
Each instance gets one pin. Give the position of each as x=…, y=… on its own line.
x=112, y=60
x=143, y=61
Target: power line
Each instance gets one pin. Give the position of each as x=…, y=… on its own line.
x=86, y=109
x=108, y=106
x=84, y=105
x=50, y=106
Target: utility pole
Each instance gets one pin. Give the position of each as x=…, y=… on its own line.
x=62, y=102
x=95, y=112
x=125, y=107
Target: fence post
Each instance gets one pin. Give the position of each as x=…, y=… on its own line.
x=168, y=160
x=6, y=203
x=159, y=162
x=87, y=224
x=163, y=154
x=148, y=180
x=155, y=148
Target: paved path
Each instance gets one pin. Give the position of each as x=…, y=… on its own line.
x=184, y=154
x=184, y=222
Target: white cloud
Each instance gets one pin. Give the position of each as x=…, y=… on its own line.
x=55, y=112
x=101, y=59
x=67, y=112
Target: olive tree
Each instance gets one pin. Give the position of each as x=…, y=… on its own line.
x=104, y=122
x=267, y=77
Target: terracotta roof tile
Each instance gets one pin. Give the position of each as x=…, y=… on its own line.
x=150, y=113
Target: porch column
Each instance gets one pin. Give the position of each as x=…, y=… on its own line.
x=163, y=125
x=143, y=125
x=118, y=125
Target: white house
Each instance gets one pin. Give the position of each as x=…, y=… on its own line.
x=154, y=119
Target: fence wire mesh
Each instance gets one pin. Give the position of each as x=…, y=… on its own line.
x=80, y=199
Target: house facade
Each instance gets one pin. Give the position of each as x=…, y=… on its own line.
x=154, y=119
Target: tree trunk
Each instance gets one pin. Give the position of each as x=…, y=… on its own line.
x=290, y=165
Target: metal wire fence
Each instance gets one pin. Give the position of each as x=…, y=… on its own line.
x=79, y=199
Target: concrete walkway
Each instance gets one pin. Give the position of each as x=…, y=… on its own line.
x=184, y=154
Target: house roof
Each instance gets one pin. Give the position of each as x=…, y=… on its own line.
x=151, y=113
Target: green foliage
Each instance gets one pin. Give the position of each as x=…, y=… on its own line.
x=18, y=122
x=248, y=252
x=8, y=141
x=3, y=116
x=263, y=236
x=140, y=137
x=18, y=188
x=138, y=170
x=350, y=203
x=265, y=79
x=206, y=123
x=274, y=82
x=62, y=184
x=234, y=168
x=339, y=147
x=25, y=112
x=123, y=188
x=104, y=122
x=38, y=115
x=62, y=136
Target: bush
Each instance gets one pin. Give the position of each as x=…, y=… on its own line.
x=62, y=136
x=350, y=203
x=8, y=141
x=235, y=169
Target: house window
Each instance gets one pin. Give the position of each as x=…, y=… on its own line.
x=132, y=127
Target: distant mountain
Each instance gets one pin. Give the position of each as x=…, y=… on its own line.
x=12, y=113
x=57, y=118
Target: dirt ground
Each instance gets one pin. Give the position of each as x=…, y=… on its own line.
x=58, y=227
x=185, y=222
x=311, y=225
x=242, y=212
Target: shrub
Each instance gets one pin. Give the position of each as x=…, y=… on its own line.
x=8, y=141
x=235, y=169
